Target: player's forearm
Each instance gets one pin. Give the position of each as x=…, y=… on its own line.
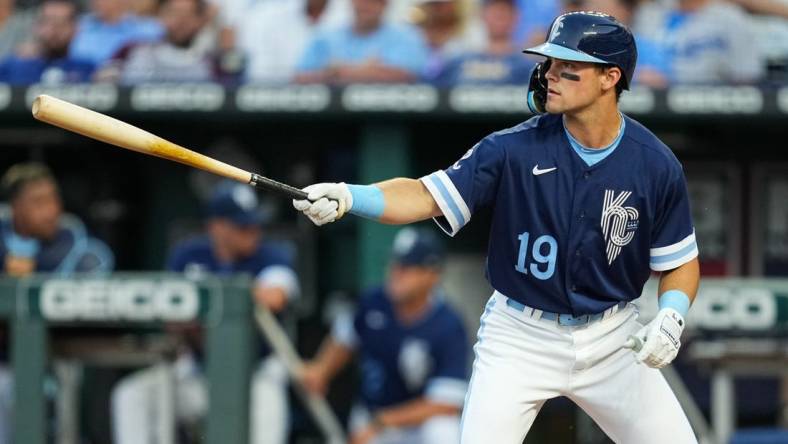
x=413, y=413
x=685, y=278
x=406, y=201
x=332, y=357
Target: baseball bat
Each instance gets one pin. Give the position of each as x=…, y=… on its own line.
x=317, y=405
x=101, y=127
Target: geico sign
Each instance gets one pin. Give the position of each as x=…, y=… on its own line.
x=720, y=308
x=63, y=300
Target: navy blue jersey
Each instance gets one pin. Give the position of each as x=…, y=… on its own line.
x=401, y=362
x=196, y=255
x=567, y=237
x=270, y=265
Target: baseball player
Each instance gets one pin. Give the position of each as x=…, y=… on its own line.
x=234, y=245
x=37, y=236
x=586, y=204
x=412, y=350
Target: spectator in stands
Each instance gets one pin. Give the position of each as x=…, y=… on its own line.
x=234, y=244
x=501, y=62
x=145, y=8
x=15, y=27
x=412, y=348
x=708, y=41
x=35, y=235
x=182, y=56
x=227, y=16
x=369, y=50
x=274, y=35
x=535, y=19
x=441, y=25
x=653, y=66
x=108, y=28
x=51, y=64
x=222, y=18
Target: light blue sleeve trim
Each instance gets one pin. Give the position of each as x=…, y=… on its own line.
x=344, y=332
x=675, y=260
x=455, y=211
x=368, y=201
x=444, y=192
x=447, y=390
x=675, y=255
x=675, y=299
x=670, y=257
x=279, y=276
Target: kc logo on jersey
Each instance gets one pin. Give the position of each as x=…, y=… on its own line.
x=618, y=223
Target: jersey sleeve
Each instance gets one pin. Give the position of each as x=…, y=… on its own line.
x=278, y=271
x=673, y=239
x=348, y=326
x=448, y=383
x=343, y=330
x=279, y=276
x=467, y=185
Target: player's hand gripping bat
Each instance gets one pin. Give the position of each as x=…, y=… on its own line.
x=115, y=132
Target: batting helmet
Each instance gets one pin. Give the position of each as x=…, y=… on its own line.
x=585, y=36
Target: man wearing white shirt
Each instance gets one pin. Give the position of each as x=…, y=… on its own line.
x=273, y=35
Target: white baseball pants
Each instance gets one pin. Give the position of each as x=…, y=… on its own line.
x=522, y=361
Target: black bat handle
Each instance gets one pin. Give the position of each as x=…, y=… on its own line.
x=279, y=187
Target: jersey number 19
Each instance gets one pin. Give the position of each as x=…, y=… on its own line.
x=538, y=259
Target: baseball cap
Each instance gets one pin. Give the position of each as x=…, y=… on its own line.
x=237, y=203
x=418, y=247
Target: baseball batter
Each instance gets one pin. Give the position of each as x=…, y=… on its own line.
x=586, y=203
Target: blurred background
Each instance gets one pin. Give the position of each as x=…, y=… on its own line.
x=98, y=346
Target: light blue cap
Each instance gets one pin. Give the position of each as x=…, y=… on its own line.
x=563, y=53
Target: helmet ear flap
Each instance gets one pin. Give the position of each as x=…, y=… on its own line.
x=537, y=88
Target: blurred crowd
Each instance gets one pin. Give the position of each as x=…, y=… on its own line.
x=442, y=42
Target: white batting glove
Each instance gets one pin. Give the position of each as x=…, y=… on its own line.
x=327, y=203
x=658, y=342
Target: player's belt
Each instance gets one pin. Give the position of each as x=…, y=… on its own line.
x=563, y=319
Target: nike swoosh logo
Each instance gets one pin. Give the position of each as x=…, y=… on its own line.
x=538, y=172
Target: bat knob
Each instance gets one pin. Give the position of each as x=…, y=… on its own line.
x=633, y=343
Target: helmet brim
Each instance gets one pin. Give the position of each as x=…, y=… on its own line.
x=563, y=53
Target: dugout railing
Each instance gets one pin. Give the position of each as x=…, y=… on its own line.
x=35, y=306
